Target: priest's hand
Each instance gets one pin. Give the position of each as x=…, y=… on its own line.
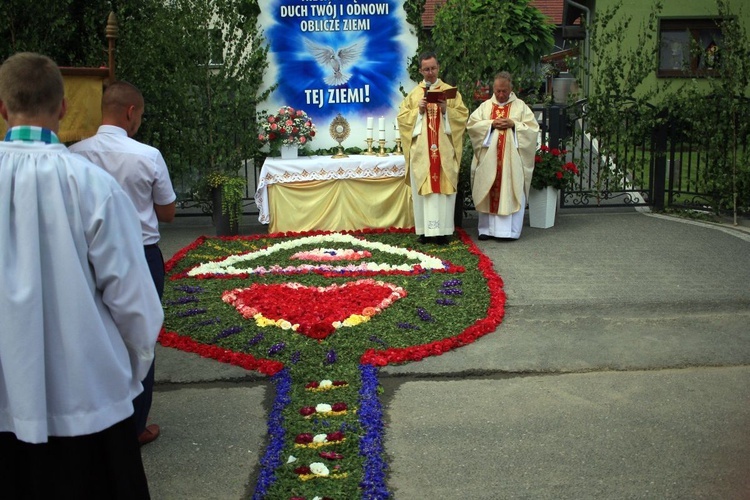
x=503, y=123
x=422, y=105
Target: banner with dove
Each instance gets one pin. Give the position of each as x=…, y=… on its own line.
x=333, y=57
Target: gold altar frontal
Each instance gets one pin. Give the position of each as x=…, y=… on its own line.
x=321, y=193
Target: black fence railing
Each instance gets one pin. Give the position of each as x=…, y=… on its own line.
x=707, y=162
x=651, y=158
x=615, y=162
x=189, y=205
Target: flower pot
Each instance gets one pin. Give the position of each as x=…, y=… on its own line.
x=289, y=152
x=542, y=207
x=224, y=225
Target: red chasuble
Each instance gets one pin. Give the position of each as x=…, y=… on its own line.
x=498, y=112
x=433, y=126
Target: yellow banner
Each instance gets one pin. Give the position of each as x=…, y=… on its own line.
x=84, y=115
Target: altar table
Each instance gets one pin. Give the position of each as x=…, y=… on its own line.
x=323, y=193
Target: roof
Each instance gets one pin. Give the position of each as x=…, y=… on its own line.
x=551, y=8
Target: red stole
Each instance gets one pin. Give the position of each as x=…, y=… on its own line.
x=498, y=112
x=433, y=126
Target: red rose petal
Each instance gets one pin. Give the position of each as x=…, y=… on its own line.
x=314, y=309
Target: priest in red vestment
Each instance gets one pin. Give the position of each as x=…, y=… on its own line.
x=503, y=133
x=432, y=121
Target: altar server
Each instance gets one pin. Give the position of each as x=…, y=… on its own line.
x=80, y=314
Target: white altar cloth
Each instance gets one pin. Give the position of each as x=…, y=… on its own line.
x=322, y=168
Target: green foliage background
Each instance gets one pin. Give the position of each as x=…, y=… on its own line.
x=475, y=39
x=197, y=112
x=705, y=114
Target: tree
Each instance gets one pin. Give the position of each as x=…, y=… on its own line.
x=71, y=32
x=199, y=64
x=619, y=111
x=725, y=178
x=510, y=35
x=203, y=67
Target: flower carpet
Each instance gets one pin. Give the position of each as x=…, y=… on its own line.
x=318, y=313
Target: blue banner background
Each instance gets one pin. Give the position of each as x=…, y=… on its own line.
x=369, y=42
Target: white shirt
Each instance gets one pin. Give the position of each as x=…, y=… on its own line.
x=79, y=314
x=140, y=170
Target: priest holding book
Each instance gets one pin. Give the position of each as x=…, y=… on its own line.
x=431, y=123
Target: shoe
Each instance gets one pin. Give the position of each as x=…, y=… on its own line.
x=484, y=237
x=442, y=240
x=149, y=434
x=422, y=239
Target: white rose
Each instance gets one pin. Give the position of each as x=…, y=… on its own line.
x=319, y=469
x=325, y=384
x=320, y=438
x=323, y=407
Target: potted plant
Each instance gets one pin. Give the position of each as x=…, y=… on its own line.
x=551, y=174
x=224, y=194
x=285, y=131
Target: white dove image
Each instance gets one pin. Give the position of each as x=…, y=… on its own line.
x=327, y=57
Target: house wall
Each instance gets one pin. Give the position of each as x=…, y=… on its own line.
x=639, y=11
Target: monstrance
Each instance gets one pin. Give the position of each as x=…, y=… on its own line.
x=339, y=131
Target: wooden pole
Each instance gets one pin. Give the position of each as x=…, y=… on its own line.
x=111, y=32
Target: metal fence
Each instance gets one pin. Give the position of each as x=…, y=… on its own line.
x=190, y=206
x=651, y=158
x=615, y=163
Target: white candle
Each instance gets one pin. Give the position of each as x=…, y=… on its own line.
x=395, y=125
x=381, y=128
x=369, y=122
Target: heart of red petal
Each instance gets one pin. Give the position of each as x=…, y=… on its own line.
x=315, y=310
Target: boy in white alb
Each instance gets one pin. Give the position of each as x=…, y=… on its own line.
x=80, y=314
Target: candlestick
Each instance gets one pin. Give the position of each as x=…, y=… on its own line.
x=382, y=152
x=369, y=151
x=399, y=151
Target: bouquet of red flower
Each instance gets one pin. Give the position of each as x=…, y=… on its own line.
x=288, y=126
x=551, y=169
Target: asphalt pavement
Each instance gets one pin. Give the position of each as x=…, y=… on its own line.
x=620, y=371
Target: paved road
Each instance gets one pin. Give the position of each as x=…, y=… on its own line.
x=621, y=371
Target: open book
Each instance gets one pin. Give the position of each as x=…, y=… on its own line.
x=445, y=93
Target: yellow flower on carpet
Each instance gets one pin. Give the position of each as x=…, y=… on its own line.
x=307, y=477
x=355, y=319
